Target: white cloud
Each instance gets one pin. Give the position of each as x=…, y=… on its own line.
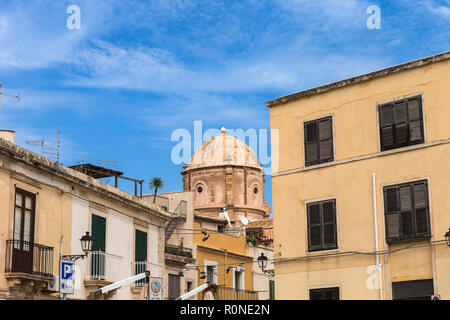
x=443, y=11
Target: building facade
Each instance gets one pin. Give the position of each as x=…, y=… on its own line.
x=361, y=188
x=227, y=183
x=179, y=245
x=46, y=208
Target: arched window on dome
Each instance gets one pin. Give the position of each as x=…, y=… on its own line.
x=255, y=193
x=201, y=194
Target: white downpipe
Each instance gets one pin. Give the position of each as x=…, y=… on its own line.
x=374, y=192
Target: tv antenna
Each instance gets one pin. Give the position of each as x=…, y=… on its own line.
x=8, y=95
x=49, y=148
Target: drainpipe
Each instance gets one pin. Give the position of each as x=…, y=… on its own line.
x=374, y=193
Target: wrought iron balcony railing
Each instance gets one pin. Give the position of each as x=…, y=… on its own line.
x=28, y=257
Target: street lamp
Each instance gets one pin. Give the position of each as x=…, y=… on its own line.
x=262, y=261
x=87, y=241
x=447, y=237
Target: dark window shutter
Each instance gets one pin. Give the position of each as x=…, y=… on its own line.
x=393, y=225
x=329, y=235
x=140, y=246
x=415, y=131
x=311, y=132
x=401, y=123
x=314, y=214
x=318, y=141
x=325, y=129
x=406, y=211
x=401, y=134
x=324, y=294
x=326, y=150
x=328, y=211
x=391, y=200
x=407, y=224
x=271, y=290
x=322, y=233
x=312, y=153
x=387, y=118
x=315, y=234
x=99, y=233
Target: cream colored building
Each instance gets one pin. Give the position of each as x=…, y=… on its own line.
x=46, y=208
x=361, y=188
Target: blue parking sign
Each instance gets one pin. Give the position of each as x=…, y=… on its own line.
x=66, y=277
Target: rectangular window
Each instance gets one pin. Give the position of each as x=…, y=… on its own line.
x=324, y=294
x=413, y=290
x=98, y=258
x=238, y=279
x=140, y=254
x=401, y=123
x=318, y=138
x=210, y=274
x=322, y=231
x=407, y=211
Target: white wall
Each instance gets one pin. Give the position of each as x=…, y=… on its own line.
x=80, y=224
x=120, y=247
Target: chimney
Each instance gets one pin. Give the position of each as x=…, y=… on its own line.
x=8, y=135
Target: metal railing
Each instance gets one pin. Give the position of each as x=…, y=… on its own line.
x=28, y=257
x=142, y=266
x=181, y=209
x=98, y=261
x=227, y=293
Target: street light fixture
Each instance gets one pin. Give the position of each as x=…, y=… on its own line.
x=262, y=262
x=447, y=237
x=87, y=241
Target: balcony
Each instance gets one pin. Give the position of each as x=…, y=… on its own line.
x=28, y=266
x=29, y=258
x=102, y=269
x=227, y=293
x=178, y=255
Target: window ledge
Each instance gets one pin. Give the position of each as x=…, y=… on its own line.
x=363, y=157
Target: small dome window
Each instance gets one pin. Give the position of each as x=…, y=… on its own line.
x=255, y=190
x=199, y=189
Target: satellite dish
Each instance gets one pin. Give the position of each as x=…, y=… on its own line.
x=244, y=220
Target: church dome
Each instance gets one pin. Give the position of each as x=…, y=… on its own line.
x=223, y=150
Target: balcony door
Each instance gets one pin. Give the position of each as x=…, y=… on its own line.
x=24, y=216
x=98, y=258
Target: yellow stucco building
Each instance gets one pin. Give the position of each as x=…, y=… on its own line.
x=46, y=207
x=361, y=186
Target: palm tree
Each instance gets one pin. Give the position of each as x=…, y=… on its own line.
x=156, y=183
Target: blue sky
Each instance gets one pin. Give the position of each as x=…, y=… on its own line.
x=137, y=70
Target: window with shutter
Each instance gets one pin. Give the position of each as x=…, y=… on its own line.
x=322, y=233
x=407, y=211
x=401, y=123
x=318, y=140
x=324, y=294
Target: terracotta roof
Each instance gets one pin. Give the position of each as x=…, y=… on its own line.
x=265, y=223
